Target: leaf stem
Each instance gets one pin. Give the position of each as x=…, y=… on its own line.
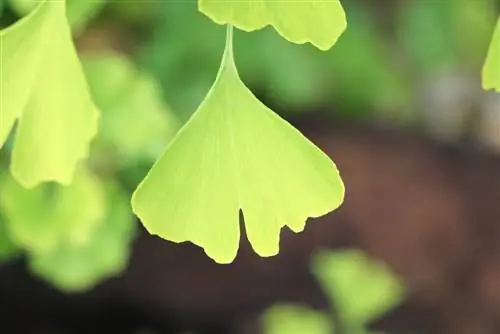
x=228, y=58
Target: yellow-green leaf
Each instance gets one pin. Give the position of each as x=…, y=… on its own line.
x=42, y=84
x=135, y=121
x=41, y=218
x=360, y=288
x=234, y=153
x=295, y=319
x=491, y=69
x=320, y=22
x=79, y=12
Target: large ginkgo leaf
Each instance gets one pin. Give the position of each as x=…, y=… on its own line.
x=320, y=22
x=42, y=84
x=234, y=153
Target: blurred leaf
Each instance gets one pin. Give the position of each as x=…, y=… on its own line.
x=39, y=219
x=217, y=164
x=183, y=36
x=135, y=12
x=360, y=288
x=135, y=121
x=491, y=69
x=77, y=267
x=293, y=75
x=424, y=31
x=79, y=12
x=318, y=22
x=43, y=84
x=471, y=24
x=7, y=247
x=292, y=319
x=365, y=77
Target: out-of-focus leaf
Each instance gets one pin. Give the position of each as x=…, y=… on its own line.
x=183, y=35
x=217, y=164
x=360, y=288
x=294, y=319
x=135, y=12
x=41, y=218
x=491, y=69
x=78, y=267
x=79, y=12
x=42, y=82
x=470, y=27
x=135, y=121
x=315, y=21
x=7, y=247
x=423, y=28
x=292, y=75
x=364, y=77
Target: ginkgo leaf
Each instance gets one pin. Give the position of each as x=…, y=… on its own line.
x=77, y=267
x=79, y=12
x=234, y=153
x=39, y=219
x=320, y=22
x=360, y=288
x=295, y=319
x=491, y=69
x=42, y=84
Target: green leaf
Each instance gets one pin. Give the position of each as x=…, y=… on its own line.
x=7, y=247
x=361, y=288
x=42, y=82
x=77, y=267
x=316, y=21
x=234, y=153
x=491, y=69
x=424, y=31
x=39, y=219
x=295, y=319
x=79, y=12
x=134, y=119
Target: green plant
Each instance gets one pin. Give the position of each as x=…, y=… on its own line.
x=215, y=140
x=359, y=288
x=85, y=128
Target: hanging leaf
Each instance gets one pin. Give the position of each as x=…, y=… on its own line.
x=77, y=267
x=135, y=120
x=491, y=69
x=319, y=22
x=361, y=288
x=234, y=153
x=43, y=84
x=39, y=219
x=79, y=12
x=294, y=319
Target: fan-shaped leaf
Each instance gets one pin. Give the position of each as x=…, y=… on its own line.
x=234, y=153
x=320, y=22
x=42, y=82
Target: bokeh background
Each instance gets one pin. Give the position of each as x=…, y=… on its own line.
x=397, y=103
